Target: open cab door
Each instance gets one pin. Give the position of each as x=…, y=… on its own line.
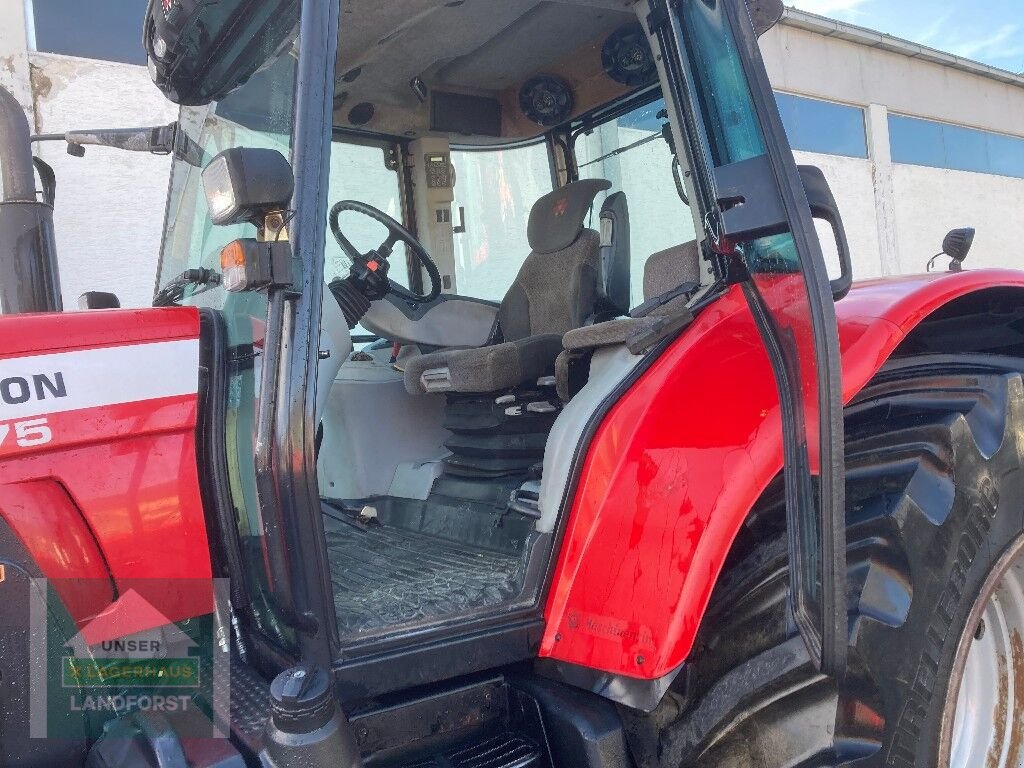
x=758, y=222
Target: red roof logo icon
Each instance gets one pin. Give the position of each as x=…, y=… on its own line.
x=129, y=615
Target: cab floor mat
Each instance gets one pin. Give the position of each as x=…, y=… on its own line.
x=385, y=578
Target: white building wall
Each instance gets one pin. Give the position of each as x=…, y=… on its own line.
x=932, y=201
x=910, y=208
x=109, y=209
x=852, y=184
x=829, y=67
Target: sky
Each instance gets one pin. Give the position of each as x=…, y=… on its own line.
x=989, y=31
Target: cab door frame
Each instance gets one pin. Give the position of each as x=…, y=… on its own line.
x=745, y=198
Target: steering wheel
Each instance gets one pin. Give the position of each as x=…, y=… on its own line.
x=371, y=268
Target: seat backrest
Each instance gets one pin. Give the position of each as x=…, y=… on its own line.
x=557, y=287
x=615, y=257
x=668, y=269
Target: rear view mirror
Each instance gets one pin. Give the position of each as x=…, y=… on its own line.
x=765, y=14
x=823, y=206
x=201, y=50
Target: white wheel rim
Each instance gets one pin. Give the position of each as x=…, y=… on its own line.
x=983, y=723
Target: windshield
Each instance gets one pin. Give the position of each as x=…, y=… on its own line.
x=259, y=114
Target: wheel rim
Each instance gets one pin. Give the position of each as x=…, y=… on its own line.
x=981, y=723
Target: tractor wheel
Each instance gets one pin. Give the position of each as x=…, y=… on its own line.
x=935, y=536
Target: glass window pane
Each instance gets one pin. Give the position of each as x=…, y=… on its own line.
x=794, y=321
x=941, y=145
x=1006, y=155
x=259, y=114
x=917, y=142
x=658, y=218
x=966, y=150
x=359, y=172
x=98, y=29
x=497, y=189
x=730, y=118
x=813, y=125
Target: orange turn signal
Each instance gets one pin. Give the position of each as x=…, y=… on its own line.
x=232, y=255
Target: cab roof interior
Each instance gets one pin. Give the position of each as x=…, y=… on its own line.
x=480, y=48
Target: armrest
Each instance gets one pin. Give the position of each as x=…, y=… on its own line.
x=608, y=334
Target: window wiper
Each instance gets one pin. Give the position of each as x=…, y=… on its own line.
x=172, y=294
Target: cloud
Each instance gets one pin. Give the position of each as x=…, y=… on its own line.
x=836, y=8
x=1006, y=42
x=934, y=31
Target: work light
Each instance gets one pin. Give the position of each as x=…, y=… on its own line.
x=245, y=184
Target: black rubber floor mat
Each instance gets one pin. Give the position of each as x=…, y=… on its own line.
x=388, y=577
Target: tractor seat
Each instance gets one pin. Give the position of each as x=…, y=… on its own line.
x=562, y=285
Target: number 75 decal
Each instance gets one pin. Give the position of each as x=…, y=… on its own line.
x=27, y=434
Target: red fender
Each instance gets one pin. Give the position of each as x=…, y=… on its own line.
x=98, y=475
x=677, y=464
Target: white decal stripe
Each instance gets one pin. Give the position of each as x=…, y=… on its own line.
x=97, y=377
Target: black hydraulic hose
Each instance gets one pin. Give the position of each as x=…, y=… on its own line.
x=16, y=167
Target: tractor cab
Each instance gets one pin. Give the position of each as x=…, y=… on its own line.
x=487, y=199
x=514, y=215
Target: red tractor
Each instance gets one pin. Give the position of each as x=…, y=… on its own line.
x=497, y=409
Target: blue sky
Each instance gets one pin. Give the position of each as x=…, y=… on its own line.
x=994, y=35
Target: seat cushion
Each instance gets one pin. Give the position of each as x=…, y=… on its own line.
x=487, y=369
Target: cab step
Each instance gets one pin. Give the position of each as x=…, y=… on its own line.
x=487, y=724
x=504, y=750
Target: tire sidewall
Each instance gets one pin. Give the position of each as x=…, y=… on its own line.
x=984, y=521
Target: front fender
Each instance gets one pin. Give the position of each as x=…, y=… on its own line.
x=679, y=461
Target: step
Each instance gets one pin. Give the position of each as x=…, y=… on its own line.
x=503, y=750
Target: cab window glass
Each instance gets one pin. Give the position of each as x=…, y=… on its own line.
x=258, y=115
x=367, y=173
x=497, y=189
x=632, y=153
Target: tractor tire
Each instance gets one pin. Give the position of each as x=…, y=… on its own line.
x=935, y=532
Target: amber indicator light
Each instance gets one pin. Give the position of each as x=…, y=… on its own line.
x=233, y=255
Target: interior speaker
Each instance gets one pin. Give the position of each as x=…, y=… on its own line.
x=626, y=56
x=361, y=114
x=547, y=100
